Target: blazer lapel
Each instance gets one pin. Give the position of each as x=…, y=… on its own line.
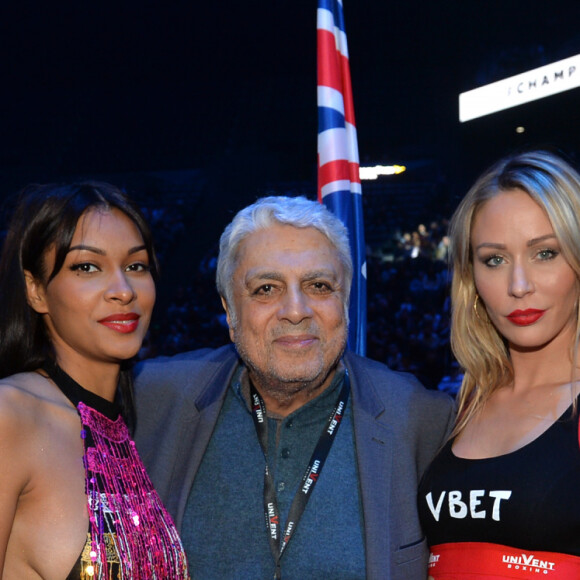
x=374, y=448
x=197, y=431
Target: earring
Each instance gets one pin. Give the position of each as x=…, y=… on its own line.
x=475, y=308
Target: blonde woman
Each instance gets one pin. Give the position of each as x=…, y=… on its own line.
x=500, y=500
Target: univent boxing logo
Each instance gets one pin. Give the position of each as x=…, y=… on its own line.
x=336, y=420
x=433, y=559
x=528, y=563
x=288, y=532
x=312, y=476
x=272, y=521
x=257, y=408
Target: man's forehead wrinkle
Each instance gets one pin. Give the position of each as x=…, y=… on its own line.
x=257, y=274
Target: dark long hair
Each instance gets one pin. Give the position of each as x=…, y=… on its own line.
x=46, y=216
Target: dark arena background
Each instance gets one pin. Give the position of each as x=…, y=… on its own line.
x=198, y=108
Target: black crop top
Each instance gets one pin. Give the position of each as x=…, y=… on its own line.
x=528, y=499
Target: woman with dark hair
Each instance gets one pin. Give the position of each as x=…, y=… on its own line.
x=76, y=293
x=500, y=499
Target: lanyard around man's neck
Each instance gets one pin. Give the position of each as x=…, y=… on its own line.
x=309, y=479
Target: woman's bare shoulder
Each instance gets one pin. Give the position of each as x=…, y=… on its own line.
x=28, y=397
x=41, y=472
x=23, y=402
x=35, y=421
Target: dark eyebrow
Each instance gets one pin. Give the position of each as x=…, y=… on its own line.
x=100, y=252
x=308, y=276
x=490, y=245
x=530, y=243
x=541, y=239
x=268, y=276
x=319, y=274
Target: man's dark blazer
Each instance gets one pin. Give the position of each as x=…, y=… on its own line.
x=398, y=425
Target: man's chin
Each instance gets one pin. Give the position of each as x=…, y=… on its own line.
x=296, y=379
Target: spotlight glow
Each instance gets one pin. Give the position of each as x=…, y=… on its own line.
x=369, y=173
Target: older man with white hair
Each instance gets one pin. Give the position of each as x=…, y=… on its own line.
x=287, y=457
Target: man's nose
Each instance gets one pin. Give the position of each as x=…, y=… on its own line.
x=295, y=305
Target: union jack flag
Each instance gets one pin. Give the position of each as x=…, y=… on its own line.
x=339, y=186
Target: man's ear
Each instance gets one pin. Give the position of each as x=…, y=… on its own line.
x=229, y=319
x=35, y=293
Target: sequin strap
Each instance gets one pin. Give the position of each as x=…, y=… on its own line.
x=131, y=535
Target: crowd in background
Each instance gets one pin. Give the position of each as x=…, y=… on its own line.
x=408, y=312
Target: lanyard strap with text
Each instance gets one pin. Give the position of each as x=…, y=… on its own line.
x=309, y=479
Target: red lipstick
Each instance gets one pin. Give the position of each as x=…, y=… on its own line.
x=123, y=323
x=525, y=317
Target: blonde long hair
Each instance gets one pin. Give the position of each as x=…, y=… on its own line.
x=482, y=352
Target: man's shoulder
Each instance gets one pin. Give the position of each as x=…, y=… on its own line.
x=186, y=371
x=392, y=385
x=369, y=369
x=400, y=399
x=187, y=360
